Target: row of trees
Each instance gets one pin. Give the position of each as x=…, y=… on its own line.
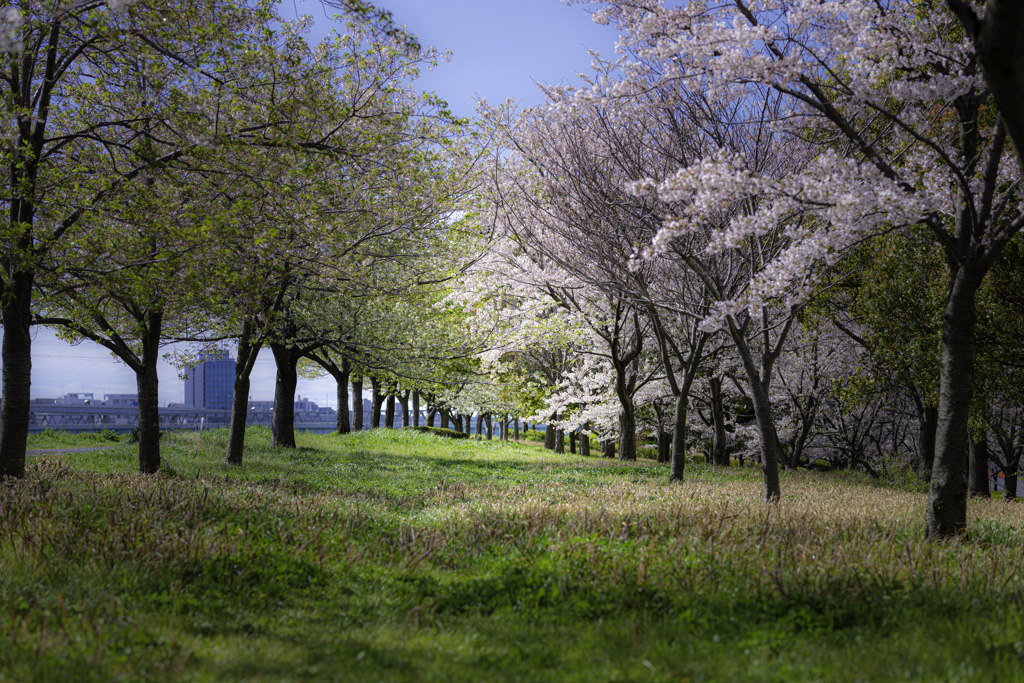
x=199, y=171
x=779, y=231
x=742, y=201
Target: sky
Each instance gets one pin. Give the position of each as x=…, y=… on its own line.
x=500, y=49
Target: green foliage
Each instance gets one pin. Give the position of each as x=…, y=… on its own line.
x=819, y=465
x=439, y=431
x=400, y=556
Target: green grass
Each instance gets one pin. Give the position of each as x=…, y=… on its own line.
x=50, y=438
x=399, y=556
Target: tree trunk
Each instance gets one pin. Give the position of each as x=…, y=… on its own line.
x=572, y=441
x=664, y=446
x=559, y=440
x=627, y=431
x=148, y=383
x=247, y=353
x=627, y=415
x=585, y=440
x=763, y=414
x=15, y=405
x=977, y=475
x=925, y=457
x=609, y=448
x=947, y=495
x=468, y=424
x=515, y=428
x=389, y=410
x=282, y=432
x=769, y=441
x=719, y=453
x=403, y=403
x=344, y=425
x=445, y=418
x=431, y=414
x=549, y=433
x=378, y=401
x=490, y=426
x=415, y=407
x=678, y=469
x=239, y=415
x=1010, y=482
x=357, y=404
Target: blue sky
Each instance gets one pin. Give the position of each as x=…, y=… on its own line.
x=500, y=50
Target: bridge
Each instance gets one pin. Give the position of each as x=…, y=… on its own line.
x=95, y=418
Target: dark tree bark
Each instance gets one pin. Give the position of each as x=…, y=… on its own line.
x=343, y=425
x=490, y=426
x=403, y=402
x=148, y=384
x=358, y=419
x=585, y=440
x=719, y=453
x=377, y=399
x=664, y=447
x=549, y=433
x=445, y=418
x=282, y=432
x=572, y=441
x=947, y=495
x=15, y=405
x=515, y=428
x=389, y=410
x=977, y=469
x=559, y=440
x=468, y=425
x=609, y=449
x=415, y=407
x=627, y=430
x=248, y=350
x=929, y=418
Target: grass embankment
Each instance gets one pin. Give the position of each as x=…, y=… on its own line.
x=398, y=556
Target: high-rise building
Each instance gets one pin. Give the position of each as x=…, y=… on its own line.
x=211, y=383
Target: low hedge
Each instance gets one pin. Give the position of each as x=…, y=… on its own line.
x=438, y=431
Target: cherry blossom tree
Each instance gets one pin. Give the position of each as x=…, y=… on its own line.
x=905, y=123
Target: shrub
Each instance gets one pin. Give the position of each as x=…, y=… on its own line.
x=438, y=431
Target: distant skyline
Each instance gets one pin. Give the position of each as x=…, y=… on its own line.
x=500, y=50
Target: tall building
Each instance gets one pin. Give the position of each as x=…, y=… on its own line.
x=211, y=383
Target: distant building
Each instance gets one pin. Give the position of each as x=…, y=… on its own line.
x=80, y=399
x=121, y=400
x=305, y=404
x=211, y=383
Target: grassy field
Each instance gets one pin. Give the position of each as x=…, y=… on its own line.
x=397, y=556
